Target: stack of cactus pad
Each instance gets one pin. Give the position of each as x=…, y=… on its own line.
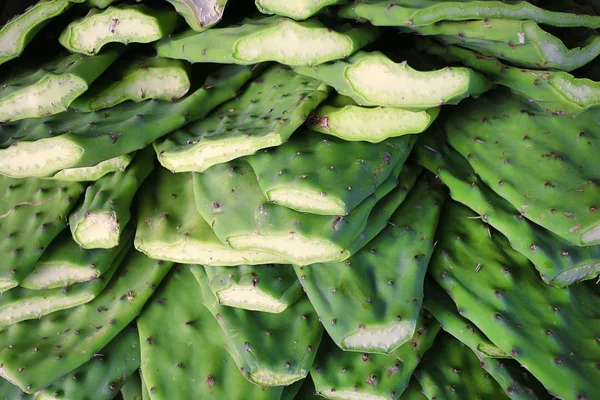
x=299, y=199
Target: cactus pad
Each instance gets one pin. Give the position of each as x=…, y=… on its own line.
x=298, y=9
x=95, y=172
x=200, y=14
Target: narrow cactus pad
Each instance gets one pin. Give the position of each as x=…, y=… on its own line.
x=94, y=172
x=36, y=353
x=408, y=13
x=552, y=332
x=184, y=354
x=103, y=375
x=343, y=118
x=106, y=210
x=522, y=43
x=553, y=91
x=132, y=389
x=298, y=10
x=170, y=228
x=229, y=199
x=269, y=349
x=267, y=288
x=44, y=146
x=341, y=374
x=372, y=79
x=200, y=14
x=52, y=87
x=559, y=262
x=451, y=370
x=543, y=164
x=371, y=302
x=323, y=175
x=279, y=39
x=269, y=110
x=135, y=23
x=32, y=213
x=137, y=79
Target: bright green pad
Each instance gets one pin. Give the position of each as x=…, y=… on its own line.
x=544, y=165
x=135, y=23
x=20, y=31
x=557, y=92
x=184, y=354
x=371, y=302
x=230, y=201
x=269, y=349
x=298, y=9
x=132, y=389
x=372, y=79
x=328, y=176
x=450, y=370
x=44, y=146
x=103, y=376
x=170, y=228
x=551, y=332
x=137, y=79
x=512, y=378
x=269, y=110
x=51, y=88
x=279, y=39
x=32, y=213
x=106, y=210
x=559, y=262
x=200, y=14
x=408, y=13
x=342, y=118
x=99, y=3
x=38, y=352
x=340, y=374
x=267, y=288
x=522, y=43
x=94, y=172
x=66, y=263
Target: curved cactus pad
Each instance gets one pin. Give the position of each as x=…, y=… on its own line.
x=95, y=172
x=136, y=23
x=372, y=79
x=44, y=146
x=200, y=14
x=269, y=349
x=270, y=109
x=278, y=39
x=298, y=9
x=132, y=389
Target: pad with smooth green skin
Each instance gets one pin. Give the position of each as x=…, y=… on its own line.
x=95, y=172
x=104, y=375
x=99, y=3
x=52, y=88
x=35, y=353
x=200, y=15
x=372, y=79
x=322, y=175
x=170, y=228
x=413, y=391
x=269, y=110
x=184, y=354
x=106, y=210
x=551, y=332
x=135, y=23
x=298, y=9
x=66, y=263
x=267, y=288
x=409, y=13
x=12, y=392
x=522, y=43
x=557, y=92
x=279, y=39
x=543, y=164
x=44, y=146
x=20, y=31
x=343, y=118
x=132, y=389
x=371, y=302
x=339, y=374
x=139, y=79
x=559, y=262
x=269, y=349
x=229, y=199
x=32, y=213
